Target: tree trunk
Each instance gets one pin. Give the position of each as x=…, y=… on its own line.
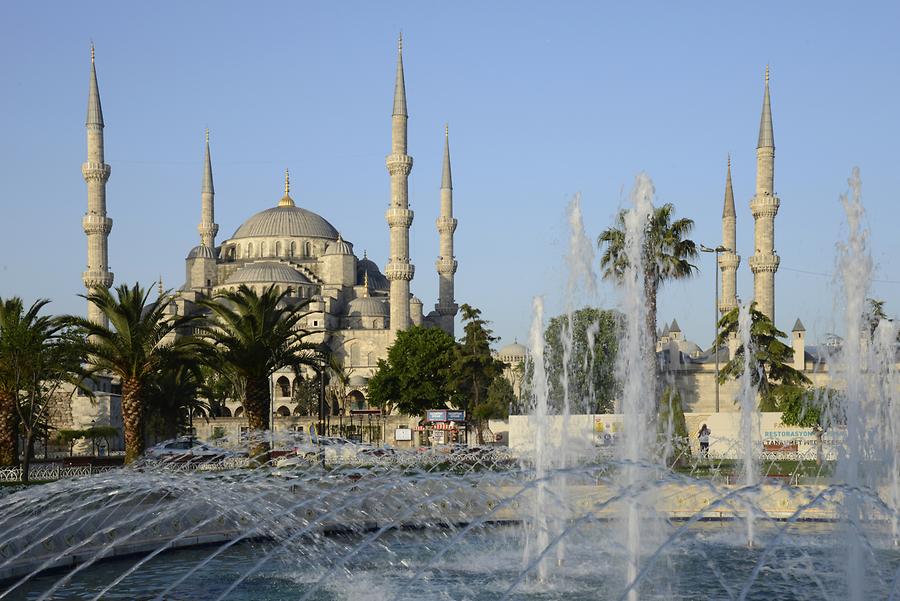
x=133, y=419
x=9, y=430
x=256, y=406
x=650, y=288
x=26, y=459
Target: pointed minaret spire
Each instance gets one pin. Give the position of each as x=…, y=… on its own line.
x=208, y=227
x=766, y=134
x=286, y=200
x=399, y=269
x=400, y=84
x=95, y=223
x=446, y=263
x=729, y=260
x=764, y=206
x=94, y=110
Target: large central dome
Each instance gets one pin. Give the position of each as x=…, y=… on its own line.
x=286, y=221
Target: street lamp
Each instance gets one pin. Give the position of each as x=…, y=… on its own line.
x=716, y=250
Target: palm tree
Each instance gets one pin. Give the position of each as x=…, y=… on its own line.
x=772, y=373
x=174, y=396
x=39, y=361
x=253, y=335
x=667, y=253
x=140, y=343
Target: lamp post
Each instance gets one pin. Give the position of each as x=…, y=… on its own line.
x=716, y=251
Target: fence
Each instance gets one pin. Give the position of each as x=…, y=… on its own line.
x=54, y=471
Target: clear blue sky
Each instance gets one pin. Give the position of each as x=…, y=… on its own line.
x=543, y=99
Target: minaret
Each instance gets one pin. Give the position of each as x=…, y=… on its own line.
x=764, y=207
x=446, y=263
x=95, y=222
x=729, y=260
x=208, y=227
x=399, y=270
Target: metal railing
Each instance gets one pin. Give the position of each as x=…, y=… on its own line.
x=55, y=471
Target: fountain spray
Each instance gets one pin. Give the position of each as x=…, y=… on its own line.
x=636, y=374
x=749, y=412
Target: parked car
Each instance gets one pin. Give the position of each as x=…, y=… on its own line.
x=332, y=450
x=183, y=449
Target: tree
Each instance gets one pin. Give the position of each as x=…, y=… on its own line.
x=816, y=408
x=500, y=396
x=592, y=358
x=174, y=395
x=253, y=335
x=672, y=425
x=474, y=367
x=140, y=342
x=40, y=363
x=415, y=376
x=770, y=361
x=667, y=255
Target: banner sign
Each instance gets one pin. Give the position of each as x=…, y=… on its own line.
x=456, y=416
x=436, y=415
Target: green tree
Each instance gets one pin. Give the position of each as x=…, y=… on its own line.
x=667, y=255
x=415, y=376
x=816, y=408
x=500, y=396
x=40, y=365
x=673, y=426
x=771, y=360
x=139, y=343
x=474, y=367
x=592, y=358
x=173, y=395
x=253, y=335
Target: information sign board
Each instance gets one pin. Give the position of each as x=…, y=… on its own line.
x=436, y=415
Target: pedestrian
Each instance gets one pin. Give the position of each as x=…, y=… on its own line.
x=703, y=437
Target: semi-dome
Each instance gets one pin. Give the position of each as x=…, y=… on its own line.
x=267, y=272
x=339, y=247
x=202, y=252
x=286, y=221
x=377, y=281
x=366, y=306
x=513, y=350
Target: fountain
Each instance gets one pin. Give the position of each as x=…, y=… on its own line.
x=749, y=412
x=557, y=523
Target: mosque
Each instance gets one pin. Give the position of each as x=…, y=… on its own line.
x=354, y=307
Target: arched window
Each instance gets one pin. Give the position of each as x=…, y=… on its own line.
x=370, y=359
x=293, y=249
x=249, y=250
x=224, y=411
x=239, y=412
x=262, y=249
x=354, y=354
x=374, y=324
x=308, y=249
x=284, y=386
x=278, y=249
x=283, y=411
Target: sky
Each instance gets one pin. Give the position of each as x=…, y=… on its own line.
x=543, y=100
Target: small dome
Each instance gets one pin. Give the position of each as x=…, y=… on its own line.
x=377, y=281
x=267, y=272
x=688, y=347
x=366, y=306
x=286, y=221
x=513, y=350
x=415, y=300
x=202, y=252
x=357, y=381
x=339, y=247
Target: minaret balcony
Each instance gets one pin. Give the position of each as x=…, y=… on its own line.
x=92, y=223
x=763, y=263
x=95, y=171
x=729, y=261
x=399, y=164
x=446, y=266
x=95, y=278
x=446, y=309
x=446, y=225
x=399, y=270
x=399, y=217
x=764, y=206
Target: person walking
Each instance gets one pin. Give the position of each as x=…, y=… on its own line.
x=703, y=437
